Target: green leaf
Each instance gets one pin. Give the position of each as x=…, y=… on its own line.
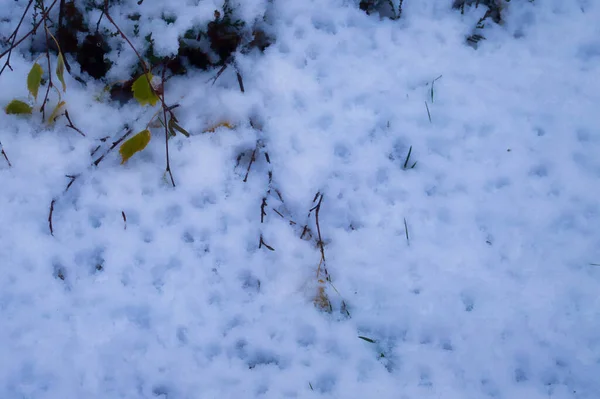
x=135, y=144
x=34, y=79
x=174, y=126
x=143, y=92
x=55, y=112
x=60, y=71
x=18, y=107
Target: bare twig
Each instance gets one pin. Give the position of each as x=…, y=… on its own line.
x=161, y=96
x=112, y=147
x=95, y=150
x=43, y=107
x=4, y=155
x=428, y=113
x=50, y=216
x=142, y=62
x=320, y=243
x=124, y=220
x=262, y=242
x=407, y=159
x=263, y=205
x=99, y=19
x=432, y=84
x=61, y=13
x=238, y=160
x=306, y=230
x=13, y=36
x=228, y=61
x=70, y=125
x=278, y=195
x=221, y=70
x=279, y=213
x=239, y=79
x=168, y=167
x=406, y=231
x=35, y=27
x=71, y=181
x=252, y=159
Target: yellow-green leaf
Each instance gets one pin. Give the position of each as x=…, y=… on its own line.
x=211, y=129
x=135, y=144
x=18, y=107
x=60, y=71
x=55, y=112
x=34, y=79
x=142, y=91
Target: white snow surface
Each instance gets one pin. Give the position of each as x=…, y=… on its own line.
x=476, y=273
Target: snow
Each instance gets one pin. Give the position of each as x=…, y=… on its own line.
x=475, y=272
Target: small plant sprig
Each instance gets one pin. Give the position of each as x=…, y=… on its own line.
x=431, y=90
x=145, y=93
x=321, y=299
x=431, y=96
x=407, y=164
x=34, y=82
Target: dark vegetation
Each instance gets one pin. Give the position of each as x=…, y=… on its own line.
x=202, y=47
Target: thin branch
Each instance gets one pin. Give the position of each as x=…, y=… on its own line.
x=50, y=84
x=142, y=62
x=112, y=147
x=432, y=84
x=262, y=242
x=168, y=167
x=306, y=230
x=71, y=181
x=279, y=195
x=4, y=155
x=99, y=19
x=239, y=79
x=316, y=196
x=252, y=159
x=71, y=124
x=317, y=209
x=428, y=113
x=95, y=150
x=61, y=13
x=35, y=27
x=214, y=78
x=13, y=36
x=161, y=96
x=50, y=216
x=263, y=205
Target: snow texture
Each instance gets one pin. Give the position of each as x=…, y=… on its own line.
x=475, y=274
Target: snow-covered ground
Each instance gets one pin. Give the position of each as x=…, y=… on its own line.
x=474, y=274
